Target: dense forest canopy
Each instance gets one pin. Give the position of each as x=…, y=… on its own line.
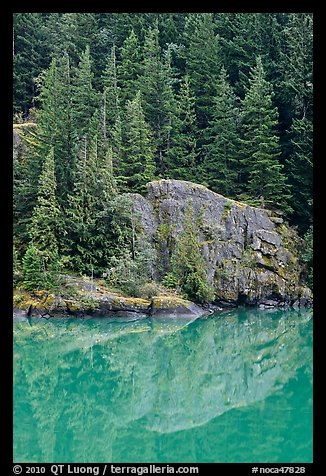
x=106, y=102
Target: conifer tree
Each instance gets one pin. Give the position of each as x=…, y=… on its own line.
x=111, y=101
x=299, y=167
x=30, y=56
x=203, y=62
x=33, y=274
x=79, y=212
x=266, y=183
x=297, y=64
x=84, y=100
x=55, y=127
x=130, y=67
x=188, y=264
x=240, y=43
x=46, y=214
x=221, y=152
x=42, y=256
x=137, y=166
x=182, y=154
x=157, y=94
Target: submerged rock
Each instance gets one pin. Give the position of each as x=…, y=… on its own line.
x=251, y=254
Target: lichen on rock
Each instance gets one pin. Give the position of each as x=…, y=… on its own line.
x=250, y=254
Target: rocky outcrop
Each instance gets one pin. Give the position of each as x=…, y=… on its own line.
x=252, y=256
x=90, y=299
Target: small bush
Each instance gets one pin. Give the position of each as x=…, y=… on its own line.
x=170, y=281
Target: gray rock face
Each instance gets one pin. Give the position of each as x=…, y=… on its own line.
x=250, y=255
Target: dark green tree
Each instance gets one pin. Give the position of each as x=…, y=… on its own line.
x=30, y=57
x=33, y=274
x=137, y=166
x=55, y=122
x=182, y=154
x=85, y=98
x=188, y=263
x=42, y=256
x=81, y=208
x=111, y=93
x=130, y=67
x=45, y=225
x=221, y=152
x=266, y=183
x=240, y=43
x=299, y=166
x=203, y=62
x=157, y=93
x=297, y=64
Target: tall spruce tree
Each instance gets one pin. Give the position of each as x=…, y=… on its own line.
x=298, y=89
x=130, y=67
x=45, y=225
x=111, y=93
x=42, y=257
x=85, y=98
x=80, y=210
x=266, y=183
x=299, y=167
x=157, y=93
x=30, y=57
x=137, y=166
x=221, y=152
x=240, y=43
x=203, y=62
x=188, y=264
x=297, y=63
x=55, y=126
x=182, y=154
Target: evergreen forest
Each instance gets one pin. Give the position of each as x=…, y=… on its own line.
x=106, y=102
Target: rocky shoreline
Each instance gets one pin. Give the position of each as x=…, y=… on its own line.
x=93, y=300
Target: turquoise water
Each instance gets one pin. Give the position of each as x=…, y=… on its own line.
x=233, y=387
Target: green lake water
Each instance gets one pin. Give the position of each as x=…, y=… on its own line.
x=232, y=387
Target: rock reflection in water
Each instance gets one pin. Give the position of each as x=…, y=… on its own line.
x=153, y=390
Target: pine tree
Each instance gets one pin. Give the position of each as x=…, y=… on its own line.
x=30, y=56
x=240, y=43
x=260, y=145
x=111, y=93
x=46, y=214
x=221, y=152
x=297, y=64
x=137, y=166
x=203, y=62
x=188, y=264
x=157, y=93
x=107, y=187
x=299, y=166
x=182, y=154
x=42, y=257
x=130, y=67
x=33, y=275
x=84, y=100
x=55, y=126
x=80, y=209
x=298, y=92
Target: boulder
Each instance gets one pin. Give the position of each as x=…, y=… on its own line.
x=251, y=254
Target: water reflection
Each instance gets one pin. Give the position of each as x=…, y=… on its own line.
x=148, y=390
